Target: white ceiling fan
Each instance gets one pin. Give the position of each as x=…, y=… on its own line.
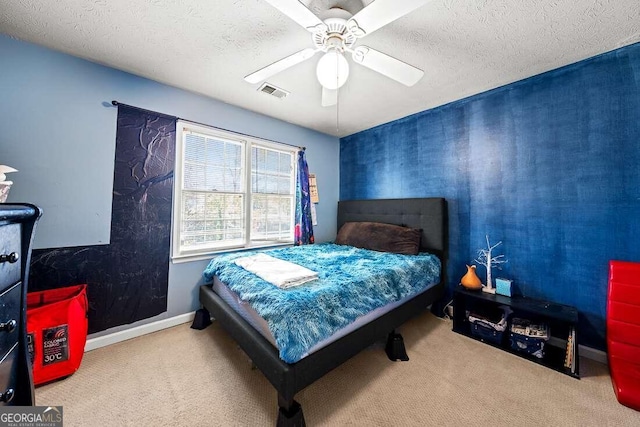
x=339, y=34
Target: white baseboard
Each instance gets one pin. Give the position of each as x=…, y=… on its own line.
x=137, y=331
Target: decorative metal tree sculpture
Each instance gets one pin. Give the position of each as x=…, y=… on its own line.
x=485, y=258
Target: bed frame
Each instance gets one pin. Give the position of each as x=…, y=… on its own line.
x=428, y=214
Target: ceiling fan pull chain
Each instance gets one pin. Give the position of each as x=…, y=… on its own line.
x=337, y=99
x=338, y=111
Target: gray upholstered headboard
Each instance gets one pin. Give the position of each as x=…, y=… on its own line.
x=429, y=214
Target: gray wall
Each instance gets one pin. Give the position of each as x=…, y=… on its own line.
x=59, y=132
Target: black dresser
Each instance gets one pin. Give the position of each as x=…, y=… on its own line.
x=17, y=224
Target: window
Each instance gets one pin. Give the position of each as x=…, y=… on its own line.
x=231, y=191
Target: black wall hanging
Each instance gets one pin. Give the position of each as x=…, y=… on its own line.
x=128, y=278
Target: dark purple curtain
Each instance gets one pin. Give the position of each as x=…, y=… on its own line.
x=303, y=232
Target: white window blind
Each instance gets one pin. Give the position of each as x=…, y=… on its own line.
x=272, y=188
x=215, y=208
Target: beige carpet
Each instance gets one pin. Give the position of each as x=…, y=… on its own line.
x=184, y=377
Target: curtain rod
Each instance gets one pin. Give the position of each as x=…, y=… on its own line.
x=116, y=103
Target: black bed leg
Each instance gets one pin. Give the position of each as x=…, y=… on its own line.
x=202, y=319
x=289, y=413
x=395, y=347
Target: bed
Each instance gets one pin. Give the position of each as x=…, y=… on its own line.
x=426, y=214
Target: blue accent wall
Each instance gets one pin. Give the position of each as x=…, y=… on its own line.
x=549, y=165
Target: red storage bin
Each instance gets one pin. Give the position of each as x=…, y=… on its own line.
x=57, y=331
x=623, y=331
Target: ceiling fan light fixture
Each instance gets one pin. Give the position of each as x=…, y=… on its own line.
x=332, y=70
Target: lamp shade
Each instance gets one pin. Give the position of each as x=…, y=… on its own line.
x=333, y=70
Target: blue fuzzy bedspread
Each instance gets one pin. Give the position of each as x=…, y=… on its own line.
x=352, y=282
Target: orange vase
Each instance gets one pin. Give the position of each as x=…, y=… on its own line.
x=471, y=280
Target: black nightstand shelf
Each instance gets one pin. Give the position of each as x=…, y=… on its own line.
x=561, y=319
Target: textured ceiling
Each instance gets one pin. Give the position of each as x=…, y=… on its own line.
x=464, y=47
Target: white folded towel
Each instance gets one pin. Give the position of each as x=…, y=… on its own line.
x=281, y=273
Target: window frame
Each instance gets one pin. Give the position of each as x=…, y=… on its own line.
x=248, y=142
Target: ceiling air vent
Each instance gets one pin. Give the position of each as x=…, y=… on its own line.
x=272, y=90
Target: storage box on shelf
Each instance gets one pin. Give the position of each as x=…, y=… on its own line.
x=488, y=323
x=527, y=337
x=560, y=322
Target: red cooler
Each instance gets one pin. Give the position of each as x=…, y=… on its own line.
x=57, y=331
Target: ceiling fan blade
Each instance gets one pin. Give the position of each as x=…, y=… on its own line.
x=329, y=97
x=386, y=65
x=281, y=65
x=379, y=13
x=297, y=12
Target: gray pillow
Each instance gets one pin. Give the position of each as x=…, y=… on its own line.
x=378, y=236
